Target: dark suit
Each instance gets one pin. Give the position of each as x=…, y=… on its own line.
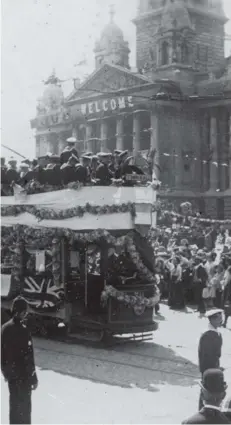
x=103, y=174
x=200, y=278
x=207, y=416
x=18, y=368
x=209, y=353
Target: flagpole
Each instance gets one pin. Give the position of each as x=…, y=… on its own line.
x=12, y=150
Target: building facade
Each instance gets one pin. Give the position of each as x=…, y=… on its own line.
x=177, y=102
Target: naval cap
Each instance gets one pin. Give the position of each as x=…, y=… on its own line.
x=213, y=312
x=104, y=154
x=71, y=140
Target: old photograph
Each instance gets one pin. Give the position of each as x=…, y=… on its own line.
x=116, y=212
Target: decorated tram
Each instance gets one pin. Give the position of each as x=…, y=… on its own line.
x=82, y=260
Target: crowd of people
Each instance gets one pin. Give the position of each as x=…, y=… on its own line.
x=191, y=271
x=68, y=167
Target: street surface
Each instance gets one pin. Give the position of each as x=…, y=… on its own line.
x=151, y=382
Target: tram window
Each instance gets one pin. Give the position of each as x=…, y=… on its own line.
x=38, y=261
x=93, y=260
x=7, y=260
x=74, y=263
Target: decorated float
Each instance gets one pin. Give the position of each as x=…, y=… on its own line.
x=79, y=259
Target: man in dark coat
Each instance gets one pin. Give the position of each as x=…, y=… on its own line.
x=210, y=344
x=69, y=150
x=12, y=175
x=213, y=388
x=199, y=283
x=3, y=178
x=103, y=174
x=17, y=363
x=68, y=170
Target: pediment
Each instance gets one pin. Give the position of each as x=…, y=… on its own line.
x=108, y=78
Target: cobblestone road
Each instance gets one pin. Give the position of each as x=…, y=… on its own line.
x=154, y=382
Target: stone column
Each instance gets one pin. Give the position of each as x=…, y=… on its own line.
x=213, y=146
x=88, y=137
x=154, y=140
x=61, y=143
x=119, y=133
x=136, y=133
x=103, y=136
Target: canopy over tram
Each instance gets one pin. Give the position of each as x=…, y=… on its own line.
x=87, y=208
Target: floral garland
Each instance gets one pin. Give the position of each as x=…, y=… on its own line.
x=49, y=214
x=138, y=262
x=131, y=300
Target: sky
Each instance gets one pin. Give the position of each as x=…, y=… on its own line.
x=41, y=35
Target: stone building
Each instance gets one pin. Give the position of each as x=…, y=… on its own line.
x=177, y=102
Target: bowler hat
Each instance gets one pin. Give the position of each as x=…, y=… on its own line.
x=213, y=381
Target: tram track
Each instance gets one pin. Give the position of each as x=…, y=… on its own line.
x=134, y=364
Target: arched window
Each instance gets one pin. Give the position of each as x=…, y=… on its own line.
x=165, y=53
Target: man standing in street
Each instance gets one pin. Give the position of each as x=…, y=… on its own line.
x=213, y=388
x=17, y=363
x=210, y=344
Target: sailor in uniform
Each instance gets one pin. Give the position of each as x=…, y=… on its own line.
x=213, y=388
x=120, y=158
x=86, y=162
x=69, y=150
x=3, y=177
x=210, y=344
x=68, y=170
x=12, y=175
x=52, y=171
x=94, y=165
x=24, y=168
x=103, y=174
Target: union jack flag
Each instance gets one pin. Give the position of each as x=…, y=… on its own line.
x=41, y=292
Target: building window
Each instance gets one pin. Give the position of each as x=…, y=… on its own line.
x=165, y=53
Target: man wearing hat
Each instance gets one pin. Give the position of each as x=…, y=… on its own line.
x=3, y=177
x=12, y=174
x=213, y=388
x=199, y=281
x=69, y=150
x=17, y=363
x=52, y=171
x=210, y=344
x=86, y=163
x=103, y=174
x=68, y=170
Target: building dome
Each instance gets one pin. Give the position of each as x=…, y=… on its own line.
x=111, y=46
x=175, y=16
x=111, y=33
x=53, y=96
